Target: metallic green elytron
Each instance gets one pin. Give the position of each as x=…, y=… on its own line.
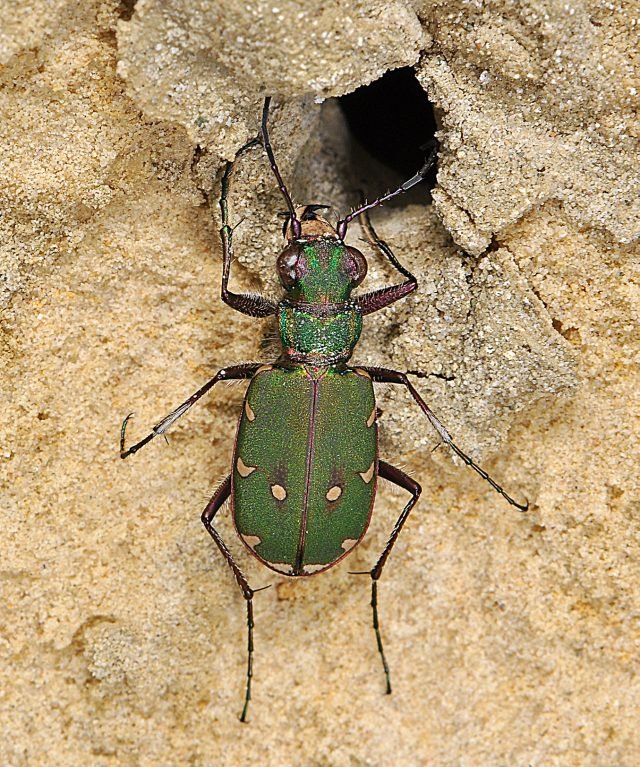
x=304, y=466
x=305, y=462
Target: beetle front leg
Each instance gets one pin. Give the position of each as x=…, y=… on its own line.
x=400, y=479
x=218, y=499
x=378, y=299
x=383, y=375
x=236, y=372
x=246, y=303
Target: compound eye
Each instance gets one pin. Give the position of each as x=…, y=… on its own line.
x=355, y=266
x=287, y=263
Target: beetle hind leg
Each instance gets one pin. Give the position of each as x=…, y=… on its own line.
x=214, y=505
x=397, y=477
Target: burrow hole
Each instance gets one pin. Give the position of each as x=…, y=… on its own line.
x=390, y=121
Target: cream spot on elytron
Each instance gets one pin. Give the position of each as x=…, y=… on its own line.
x=308, y=569
x=367, y=475
x=264, y=368
x=371, y=419
x=281, y=567
x=249, y=411
x=278, y=492
x=334, y=493
x=251, y=540
x=361, y=372
x=349, y=543
x=243, y=469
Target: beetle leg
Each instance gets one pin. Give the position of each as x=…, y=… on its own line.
x=218, y=499
x=378, y=299
x=253, y=305
x=236, y=372
x=399, y=478
x=383, y=375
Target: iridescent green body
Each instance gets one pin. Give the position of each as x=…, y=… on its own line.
x=304, y=471
x=305, y=462
x=305, y=459
x=314, y=335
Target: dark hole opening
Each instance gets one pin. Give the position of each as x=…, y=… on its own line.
x=390, y=120
x=126, y=9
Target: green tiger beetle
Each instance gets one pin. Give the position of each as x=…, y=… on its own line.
x=305, y=461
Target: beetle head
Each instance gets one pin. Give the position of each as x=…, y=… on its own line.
x=318, y=267
x=311, y=224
